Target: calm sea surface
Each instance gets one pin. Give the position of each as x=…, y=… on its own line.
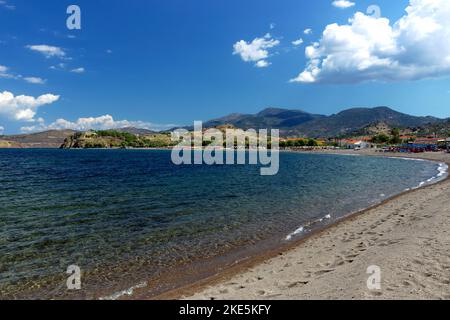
x=126, y=216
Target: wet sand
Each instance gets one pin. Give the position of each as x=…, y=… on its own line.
x=407, y=237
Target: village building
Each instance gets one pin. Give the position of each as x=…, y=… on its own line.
x=355, y=144
x=427, y=141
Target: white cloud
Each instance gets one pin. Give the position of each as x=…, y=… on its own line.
x=256, y=51
x=6, y=5
x=96, y=123
x=298, y=42
x=262, y=64
x=78, y=70
x=272, y=26
x=307, y=31
x=48, y=51
x=59, y=66
x=370, y=48
x=35, y=80
x=23, y=108
x=343, y=4
x=4, y=72
x=2, y=129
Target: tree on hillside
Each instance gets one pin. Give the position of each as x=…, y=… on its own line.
x=312, y=143
x=381, y=138
x=300, y=143
x=395, y=136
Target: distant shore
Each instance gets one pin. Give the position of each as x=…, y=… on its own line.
x=406, y=236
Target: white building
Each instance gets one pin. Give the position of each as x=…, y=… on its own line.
x=357, y=144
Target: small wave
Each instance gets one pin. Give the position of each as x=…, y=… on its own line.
x=126, y=292
x=296, y=232
x=302, y=228
x=442, y=172
x=327, y=217
x=443, y=169
x=409, y=159
x=351, y=154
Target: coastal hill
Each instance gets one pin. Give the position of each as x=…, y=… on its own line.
x=271, y=118
x=46, y=139
x=352, y=120
x=57, y=138
x=136, y=131
x=347, y=122
x=117, y=139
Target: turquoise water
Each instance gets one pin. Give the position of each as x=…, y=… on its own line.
x=124, y=216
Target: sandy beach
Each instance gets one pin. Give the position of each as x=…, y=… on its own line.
x=407, y=237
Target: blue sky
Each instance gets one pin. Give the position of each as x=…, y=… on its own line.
x=157, y=63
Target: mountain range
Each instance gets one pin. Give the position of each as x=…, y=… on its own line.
x=291, y=123
x=304, y=124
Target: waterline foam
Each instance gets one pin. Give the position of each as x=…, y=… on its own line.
x=302, y=228
x=442, y=173
x=126, y=292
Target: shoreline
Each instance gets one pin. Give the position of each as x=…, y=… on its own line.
x=198, y=278
x=204, y=288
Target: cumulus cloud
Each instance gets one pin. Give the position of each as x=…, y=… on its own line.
x=297, y=42
x=371, y=48
x=343, y=4
x=2, y=129
x=34, y=80
x=48, y=51
x=23, y=108
x=307, y=31
x=96, y=123
x=256, y=51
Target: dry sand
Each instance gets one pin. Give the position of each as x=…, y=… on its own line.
x=408, y=237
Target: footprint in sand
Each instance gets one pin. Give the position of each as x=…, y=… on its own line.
x=376, y=293
x=321, y=272
x=297, y=284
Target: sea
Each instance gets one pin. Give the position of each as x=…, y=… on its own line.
x=136, y=225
